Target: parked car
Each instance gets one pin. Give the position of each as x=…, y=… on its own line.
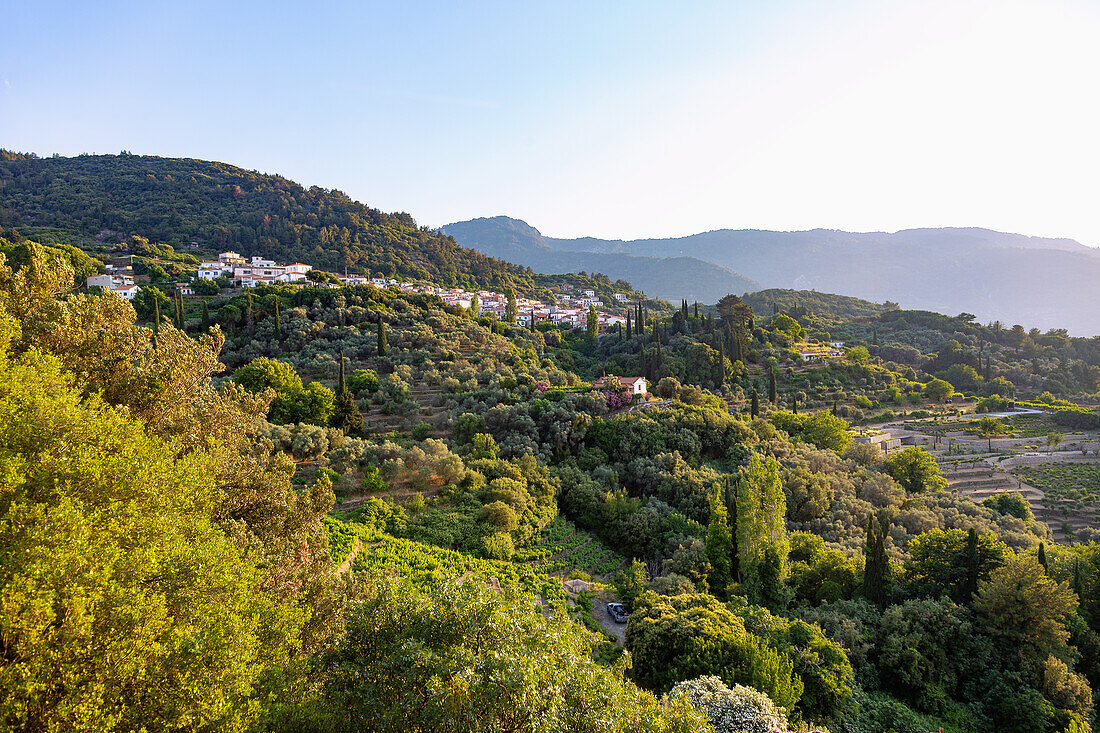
x=618, y=612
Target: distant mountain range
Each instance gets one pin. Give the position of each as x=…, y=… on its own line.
x=661, y=276
x=1037, y=282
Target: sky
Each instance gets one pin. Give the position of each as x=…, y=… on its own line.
x=612, y=119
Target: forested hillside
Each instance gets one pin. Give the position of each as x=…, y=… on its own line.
x=382, y=491
x=177, y=201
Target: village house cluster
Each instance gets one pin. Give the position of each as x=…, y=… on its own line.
x=569, y=310
x=250, y=273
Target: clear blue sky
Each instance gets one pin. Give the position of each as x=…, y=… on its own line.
x=610, y=119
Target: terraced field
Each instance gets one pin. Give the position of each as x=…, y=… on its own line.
x=1067, y=481
x=562, y=547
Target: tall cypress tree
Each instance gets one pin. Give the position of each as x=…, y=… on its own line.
x=205, y=317
x=156, y=322
x=755, y=409
x=697, y=309
x=248, y=312
x=876, y=573
x=345, y=412
x=628, y=334
x=279, y=328
x=973, y=566
x=721, y=364
x=1043, y=557
x=719, y=545
x=381, y=337
x=773, y=393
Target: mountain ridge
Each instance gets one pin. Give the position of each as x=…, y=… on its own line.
x=1037, y=281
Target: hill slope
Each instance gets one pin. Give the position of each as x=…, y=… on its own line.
x=670, y=278
x=182, y=200
x=1038, y=282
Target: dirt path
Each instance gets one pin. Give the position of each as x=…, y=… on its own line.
x=346, y=565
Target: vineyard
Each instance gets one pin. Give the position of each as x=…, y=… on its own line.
x=1075, y=482
x=425, y=565
x=562, y=547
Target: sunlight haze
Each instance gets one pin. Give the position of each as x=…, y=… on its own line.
x=625, y=120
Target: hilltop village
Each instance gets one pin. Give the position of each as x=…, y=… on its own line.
x=233, y=270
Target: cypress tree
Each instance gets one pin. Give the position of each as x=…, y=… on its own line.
x=1078, y=582
x=697, y=309
x=794, y=404
x=279, y=329
x=731, y=510
x=721, y=364
x=876, y=572
x=205, y=317
x=755, y=409
x=719, y=545
x=345, y=413
x=973, y=565
x=177, y=302
x=156, y=322
x=773, y=394
x=381, y=337
x=1043, y=557
x=628, y=325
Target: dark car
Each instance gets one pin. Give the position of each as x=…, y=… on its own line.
x=618, y=612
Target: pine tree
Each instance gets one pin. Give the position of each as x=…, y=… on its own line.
x=381, y=337
x=719, y=544
x=876, y=573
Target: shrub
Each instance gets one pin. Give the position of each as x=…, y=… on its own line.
x=731, y=710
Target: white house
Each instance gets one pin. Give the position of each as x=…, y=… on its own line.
x=210, y=273
x=836, y=344
x=229, y=257
x=620, y=297
x=634, y=385
x=185, y=288
x=127, y=291
x=109, y=281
